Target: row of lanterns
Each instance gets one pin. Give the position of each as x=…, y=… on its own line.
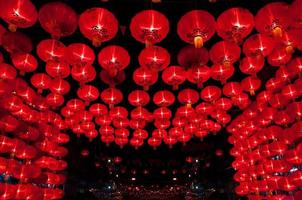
x=266, y=139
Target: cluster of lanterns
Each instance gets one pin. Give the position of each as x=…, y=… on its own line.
x=35, y=119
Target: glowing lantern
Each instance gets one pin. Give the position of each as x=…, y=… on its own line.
x=58, y=19
x=196, y=27
x=98, y=25
x=188, y=97
x=138, y=98
x=199, y=75
x=210, y=93
x=174, y=76
x=88, y=93
x=251, y=65
x=57, y=69
x=78, y=54
x=145, y=77
x=225, y=53
x=16, y=42
x=112, y=96
x=235, y=24
x=258, y=44
x=112, y=81
x=25, y=62
x=251, y=84
x=41, y=81
x=113, y=59
x=83, y=74
x=149, y=27
x=154, y=57
x=190, y=57
x=51, y=50
x=18, y=13
x=221, y=72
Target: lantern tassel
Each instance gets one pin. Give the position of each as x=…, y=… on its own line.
x=198, y=41
x=12, y=28
x=277, y=32
x=96, y=42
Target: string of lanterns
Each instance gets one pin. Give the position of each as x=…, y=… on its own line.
x=46, y=113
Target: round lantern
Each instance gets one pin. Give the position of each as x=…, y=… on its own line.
x=154, y=57
x=210, y=93
x=279, y=57
x=221, y=72
x=16, y=42
x=83, y=74
x=58, y=19
x=273, y=19
x=24, y=62
x=78, y=54
x=7, y=72
x=18, y=13
x=57, y=69
x=225, y=53
x=235, y=24
x=251, y=65
x=174, y=76
x=251, y=84
x=113, y=59
x=190, y=57
x=41, y=81
x=138, y=98
x=145, y=77
x=163, y=98
x=113, y=81
x=196, y=27
x=112, y=96
x=51, y=50
x=98, y=25
x=199, y=75
x=88, y=93
x=188, y=97
x=149, y=27
x=258, y=44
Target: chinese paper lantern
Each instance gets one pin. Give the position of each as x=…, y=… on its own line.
x=231, y=89
x=111, y=96
x=251, y=84
x=196, y=27
x=78, y=54
x=223, y=104
x=241, y=100
x=188, y=97
x=24, y=62
x=51, y=50
x=16, y=42
x=88, y=93
x=190, y=57
x=121, y=141
x=59, y=86
x=120, y=123
x=273, y=19
x=251, y=65
x=154, y=142
x=163, y=98
x=278, y=57
x=221, y=72
x=258, y=44
x=136, y=142
x=149, y=27
x=75, y=105
x=210, y=93
x=83, y=74
x=118, y=112
x=145, y=77
x=7, y=72
x=225, y=53
x=57, y=69
x=58, y=19
x=98, y=109
x=174, y=76
x=162, y=113
x=113, y=59
x=41, y=81
x=295, y=65
x=18, y=13
x=235, y=24
x=154, y=57
x=54, y=100
x=98, y=25
x=199, y=75
x=138, y=98
x=169, y=140
x=113, y=81
x=204, y=108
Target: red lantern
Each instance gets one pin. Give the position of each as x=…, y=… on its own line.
x=199, y=75
x=170, y=140
x=163, y=98
x=235, y=24
x=210, y=93
x=138, y=98
x=58, y=19
x=98, y=25
x=8, y=72
x=75, y=105
x=41, y=81
x=162, y=113
x=251, y=84
x=118, y=112
x=145, y=77
x=98, y=109
x=251, y=65
x=18, y=13
x=188, y=97
x=113, y=59
x=59, y=86
x=154, y=142
x=24, y=62
x=88, y=93
x=57, y=69
x=190, y=57
x=196, y=27
x=136, y=142
x=51, y=50
x=112, y=96
x=223, y=104
x=16, y=42
x=174, y=76
x=155, y=57
x=258, y=44
x=295, y=66
x=149, y=27
x=112, y=81
x=225, y=53
x=273, y=19
x=78, y=54
x=83, y=74
x=221, y=72
x=278, y=57
x=231, y=89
